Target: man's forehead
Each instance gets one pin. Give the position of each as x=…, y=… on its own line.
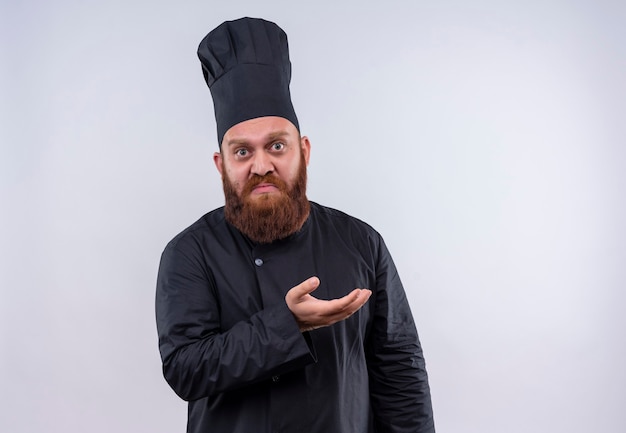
x=259, y=129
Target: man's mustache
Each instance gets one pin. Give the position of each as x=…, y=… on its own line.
x=267, y=178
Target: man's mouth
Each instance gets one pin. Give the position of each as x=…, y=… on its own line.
x=264, y=188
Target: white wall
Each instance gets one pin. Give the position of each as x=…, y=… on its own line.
x=484, y=140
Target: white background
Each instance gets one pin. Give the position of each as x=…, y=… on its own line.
x=484, y=140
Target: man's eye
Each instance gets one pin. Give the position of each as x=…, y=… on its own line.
x=241, y=152
x=278, y=146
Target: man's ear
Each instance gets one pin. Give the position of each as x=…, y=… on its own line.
x=217, y=159
x=305, y=145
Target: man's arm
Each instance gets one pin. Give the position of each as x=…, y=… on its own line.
x=201, y=359
x=399, y=391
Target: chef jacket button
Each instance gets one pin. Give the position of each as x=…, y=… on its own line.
x=258, y=262
x=275, y=378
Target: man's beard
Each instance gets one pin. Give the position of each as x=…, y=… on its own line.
x=267, y=217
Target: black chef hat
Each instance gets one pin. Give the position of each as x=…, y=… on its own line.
x=246, y=65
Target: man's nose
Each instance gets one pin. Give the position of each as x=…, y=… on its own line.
x=262, y=164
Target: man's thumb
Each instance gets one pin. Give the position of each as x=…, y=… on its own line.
x=305, y=287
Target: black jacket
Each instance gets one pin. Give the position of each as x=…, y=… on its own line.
x=231, y=347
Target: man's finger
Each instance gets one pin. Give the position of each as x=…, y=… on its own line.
x=348, y=304
x=362, y=295
x=333, y=306
x=339, y=315
x=304, y=288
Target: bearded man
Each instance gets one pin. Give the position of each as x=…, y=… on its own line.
x=242, y=336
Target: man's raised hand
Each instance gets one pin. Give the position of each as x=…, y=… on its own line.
x=312, y=313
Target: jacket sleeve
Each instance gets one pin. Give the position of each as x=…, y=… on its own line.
x=199, y=358
x=399, y=390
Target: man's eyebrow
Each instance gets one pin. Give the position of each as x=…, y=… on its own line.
x=276, y=134
x=236, y=141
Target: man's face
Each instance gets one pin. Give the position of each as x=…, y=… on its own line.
x=259, y=147
x=263, y=167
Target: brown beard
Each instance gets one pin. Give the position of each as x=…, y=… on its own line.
x=271, y=216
